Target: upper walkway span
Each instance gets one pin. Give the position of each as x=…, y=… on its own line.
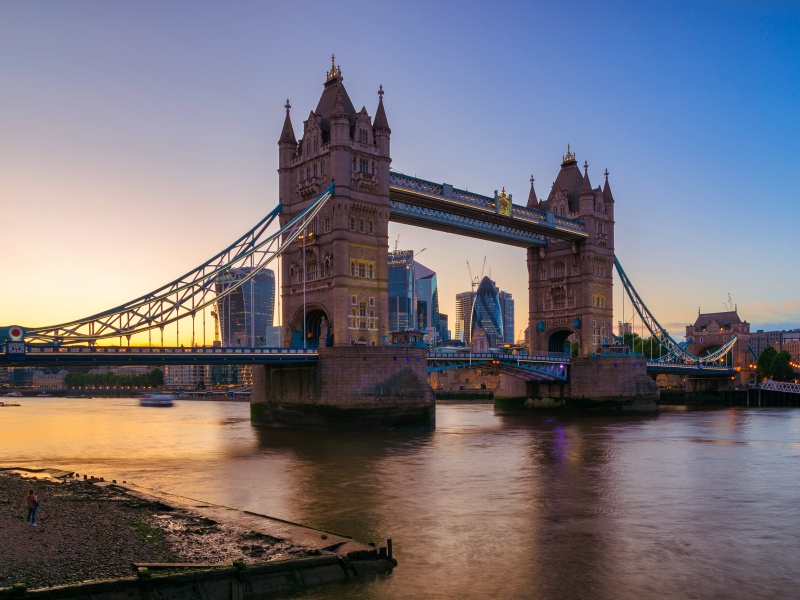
x=442, y=207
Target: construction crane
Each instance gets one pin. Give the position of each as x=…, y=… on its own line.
x=728, y=305
x=474, y=280
x=416, y=254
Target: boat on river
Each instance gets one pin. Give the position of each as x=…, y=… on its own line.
x=9, y=403
x=157, y=400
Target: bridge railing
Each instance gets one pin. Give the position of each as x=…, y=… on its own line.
x=448, y=193
x=501, y=357
x=202, y=350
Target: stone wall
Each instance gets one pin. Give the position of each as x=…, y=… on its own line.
x=349, y=388
x=618, y=385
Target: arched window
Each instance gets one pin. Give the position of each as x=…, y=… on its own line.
x=361, y=225
x=370, y=271
x=352, y=223
x=543, y=274
x=558, y=269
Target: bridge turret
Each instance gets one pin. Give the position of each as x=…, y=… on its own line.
x=287, y=147
x=381, y=129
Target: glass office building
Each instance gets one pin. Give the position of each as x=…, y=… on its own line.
x=247, y=311
x=402, y=292
x=486, y=313
x=427, y=298
x=507, y=310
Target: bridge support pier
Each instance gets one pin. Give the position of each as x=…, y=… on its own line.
x=364, y=388
x=597, y=385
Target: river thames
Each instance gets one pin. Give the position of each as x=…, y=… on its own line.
x=701, y=504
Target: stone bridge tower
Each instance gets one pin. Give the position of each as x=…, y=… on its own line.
x=345, y=267
x=713, y=330
x=570, y=284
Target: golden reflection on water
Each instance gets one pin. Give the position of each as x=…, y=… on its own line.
x=689, y=504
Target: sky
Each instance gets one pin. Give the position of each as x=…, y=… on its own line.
x=139, y=139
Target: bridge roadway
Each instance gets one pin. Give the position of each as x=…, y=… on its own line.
x=442, y=207
x=543, y=367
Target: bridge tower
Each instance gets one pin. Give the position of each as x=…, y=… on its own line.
x=570, y=283
x=345, y=267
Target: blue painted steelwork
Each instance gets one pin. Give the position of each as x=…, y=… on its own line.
x=188, y=295
x=41, y=355
x=752, y=350
x=531, y=368
x=447, y=200
x=689, y=369
x=675, y=350
x=467, y=224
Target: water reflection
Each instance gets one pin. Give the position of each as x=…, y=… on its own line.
x=695, y=504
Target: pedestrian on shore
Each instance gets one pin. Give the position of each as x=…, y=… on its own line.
x=33, y=507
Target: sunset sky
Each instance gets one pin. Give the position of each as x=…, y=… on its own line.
x=138, y=139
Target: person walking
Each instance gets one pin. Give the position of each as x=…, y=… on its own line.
x=33, y=507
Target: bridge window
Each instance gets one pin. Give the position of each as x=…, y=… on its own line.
x=354, y=163
x=308, y=172
x=353, y=270
x=571, y=302
x=575, y=268
x=548, y=304
x=558, y=269
x=353, y=300
x=363, y=136
x=370, y=225
x=315, y=170
x=372, y=301
x=322, y=168
x=599, y=269
x=311, y=268
x=559, y=301
x=327, y=221
x=312, y=226
x=362, y=269
x=361, y=225
x=598, y=301
x=308, y=147
x=543, y=274
x=370, y=273
x=316, y=144
x=352, y=223
x=362, y=163
x=373, y=167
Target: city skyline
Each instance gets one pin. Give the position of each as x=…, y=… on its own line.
x=171, y=129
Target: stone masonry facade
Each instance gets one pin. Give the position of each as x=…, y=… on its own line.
x=570, y=283
x=346, y=244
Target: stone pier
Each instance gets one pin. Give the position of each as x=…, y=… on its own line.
x=366, y=388
x=616, y=385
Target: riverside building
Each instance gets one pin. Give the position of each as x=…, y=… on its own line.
x=245, y=313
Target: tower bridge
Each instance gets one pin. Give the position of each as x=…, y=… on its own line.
x=337, y=195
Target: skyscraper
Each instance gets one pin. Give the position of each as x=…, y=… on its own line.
x=487, y=314
x=245, y=313
x=464, y=302
x=402, y=292
x=427, y=297
x=507, y=310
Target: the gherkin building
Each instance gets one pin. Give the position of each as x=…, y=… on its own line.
x=486, y=312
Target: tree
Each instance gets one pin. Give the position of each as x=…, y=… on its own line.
x=780, y=367
x=156, y=378
x=764, y=364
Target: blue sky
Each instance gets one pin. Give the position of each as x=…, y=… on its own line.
x=138, y=139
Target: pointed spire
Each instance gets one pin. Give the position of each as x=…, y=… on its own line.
x=533, y=201
x=287, y=135
x=586, y=187
x=607, y=195
x=380, y=115
x=339, y=110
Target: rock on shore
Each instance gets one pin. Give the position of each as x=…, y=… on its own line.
x=89, y=532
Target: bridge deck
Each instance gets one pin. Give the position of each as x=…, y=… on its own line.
x=444, y=208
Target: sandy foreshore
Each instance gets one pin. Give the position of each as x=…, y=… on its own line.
x=98, y=530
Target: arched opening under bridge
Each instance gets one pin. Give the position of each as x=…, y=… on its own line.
x=315, y=317
x=557, y=342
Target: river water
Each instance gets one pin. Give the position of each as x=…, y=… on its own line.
x=688, y=504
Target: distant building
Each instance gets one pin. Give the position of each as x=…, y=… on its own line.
x=186, y=377
x=444, y=330
x=777, y=339
x=464, y=302
x=402, y=293
x=487, y=313
x=49, y=381
x=507, y=310
x=245, y=313
x=20, y=377
x=273, y=337
x=624, y=328
x=427, y=297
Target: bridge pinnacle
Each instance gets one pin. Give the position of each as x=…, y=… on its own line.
x=380, y=91
x=288, y=106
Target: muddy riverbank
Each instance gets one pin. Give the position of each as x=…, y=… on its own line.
x=95, y=530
